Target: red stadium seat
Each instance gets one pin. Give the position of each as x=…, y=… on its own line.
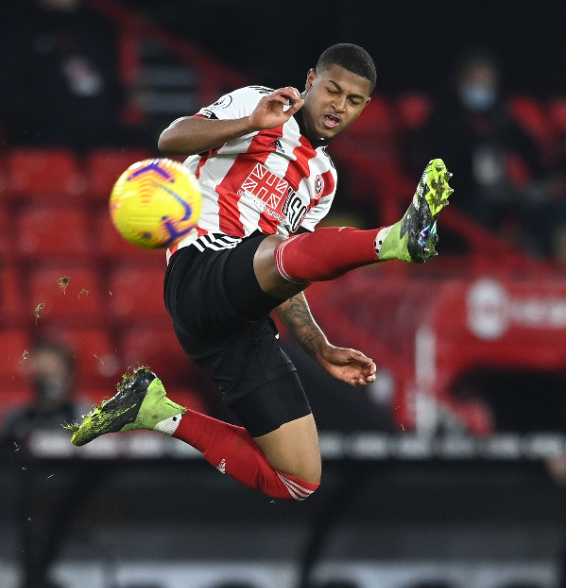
x=137, y=294
x=3, y=179
x=557, y=115
x=112, y=247
x=377, y=121
x=45, y=232
x=187, y=397
x=6, y=241
x=13, y=295
x=13, y=344
x=105, y=166
x=13, y=398
x=96, y=361
x=157, y=348
x=44, y=172
x=530, y=115
x=413, y=110
x=81, y=302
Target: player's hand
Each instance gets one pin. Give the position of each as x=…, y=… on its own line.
x=349, y=365
x=276, y=109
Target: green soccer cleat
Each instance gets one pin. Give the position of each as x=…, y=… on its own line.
x=141, y=403
x=414, y=237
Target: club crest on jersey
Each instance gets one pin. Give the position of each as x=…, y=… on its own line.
x=318, y=185
x=223, y=102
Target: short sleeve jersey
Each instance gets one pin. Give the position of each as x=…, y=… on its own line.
x=273, y=181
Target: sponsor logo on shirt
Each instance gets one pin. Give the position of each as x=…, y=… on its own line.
x=276, y=144
x=273, y=196
x=265, y=186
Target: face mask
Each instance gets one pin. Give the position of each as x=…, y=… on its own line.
x=479, y=98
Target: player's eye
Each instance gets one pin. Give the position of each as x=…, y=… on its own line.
x=355, y=102
x=330, y=91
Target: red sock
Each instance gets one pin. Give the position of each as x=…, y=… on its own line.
x=325, y=254
x=232, y=451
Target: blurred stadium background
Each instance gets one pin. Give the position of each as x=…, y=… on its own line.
x=450, y=471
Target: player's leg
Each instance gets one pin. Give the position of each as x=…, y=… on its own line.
x=284, y=267
x=293, y=448
x=219, y=314
x=283, y=460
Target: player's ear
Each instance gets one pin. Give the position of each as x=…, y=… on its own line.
x=311, y=76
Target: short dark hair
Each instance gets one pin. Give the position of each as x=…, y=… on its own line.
x=351, y=57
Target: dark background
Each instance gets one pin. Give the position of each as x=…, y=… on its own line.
x=413, y=43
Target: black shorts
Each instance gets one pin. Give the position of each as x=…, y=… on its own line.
x=243, y=356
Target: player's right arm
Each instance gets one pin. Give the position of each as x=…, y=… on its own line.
x=349, y=365
x=192, y=134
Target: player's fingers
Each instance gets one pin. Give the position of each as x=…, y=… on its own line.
x=289, y=91
x=280, y=98
x=369, y=369
x=360, y=357
x=290, y=94
x=297, y=105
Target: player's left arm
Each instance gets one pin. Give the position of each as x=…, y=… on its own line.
x=349, y=365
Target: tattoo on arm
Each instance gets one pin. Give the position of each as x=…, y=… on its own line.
x=295, y=314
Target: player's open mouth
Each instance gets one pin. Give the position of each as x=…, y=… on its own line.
x=331, y=121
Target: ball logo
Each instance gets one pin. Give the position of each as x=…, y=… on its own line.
x=223, y=102
x=155, y=202
x=488, y=309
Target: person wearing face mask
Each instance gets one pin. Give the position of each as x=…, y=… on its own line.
x=498, y=167
x=51, y=371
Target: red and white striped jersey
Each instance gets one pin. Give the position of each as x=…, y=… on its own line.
x=274, y=180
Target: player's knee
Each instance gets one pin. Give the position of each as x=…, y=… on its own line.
x=299, y=489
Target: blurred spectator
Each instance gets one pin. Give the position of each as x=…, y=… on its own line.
x=59, y=81
x=498, y=167
x=51, y=370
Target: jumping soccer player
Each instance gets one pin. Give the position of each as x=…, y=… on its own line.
x=267, y=180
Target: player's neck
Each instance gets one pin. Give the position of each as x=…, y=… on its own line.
x=303, y=127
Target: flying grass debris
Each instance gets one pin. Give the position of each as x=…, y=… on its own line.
x=25, y=355
x=83, y=291
x=16, y=446
x=63, y=283
x=39, y=307
x=98, y=358
x=73, y=427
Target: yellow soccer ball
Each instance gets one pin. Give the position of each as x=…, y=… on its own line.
x=155, y=202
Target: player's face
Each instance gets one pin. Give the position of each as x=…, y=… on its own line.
x=334, y=98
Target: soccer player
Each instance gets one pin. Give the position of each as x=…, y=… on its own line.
x=267, y=180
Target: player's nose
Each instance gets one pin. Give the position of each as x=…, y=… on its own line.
x=339, y=104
